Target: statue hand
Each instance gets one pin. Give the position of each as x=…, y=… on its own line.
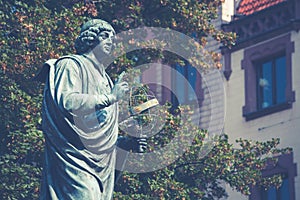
x=142, y=145
x=138, y=145
x=120, y=90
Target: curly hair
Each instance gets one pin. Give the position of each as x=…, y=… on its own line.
x=88, y=37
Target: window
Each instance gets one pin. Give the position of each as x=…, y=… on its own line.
x=185, y=84
x=271, y=82
x=281, y=193
x=268, y=77
x=286, y=191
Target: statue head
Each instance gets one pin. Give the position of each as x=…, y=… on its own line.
x=89, y=35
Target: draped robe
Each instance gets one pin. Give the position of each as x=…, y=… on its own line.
x=80, y=127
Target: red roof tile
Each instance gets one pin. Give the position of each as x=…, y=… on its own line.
x=247, y=7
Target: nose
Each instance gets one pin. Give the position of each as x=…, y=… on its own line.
x=109, y=40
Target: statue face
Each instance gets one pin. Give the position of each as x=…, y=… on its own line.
x=106, y=43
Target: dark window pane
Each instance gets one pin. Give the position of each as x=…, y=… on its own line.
x=284, y=190
x=280, y=79
x=265, y=84
x=179, y=83
x=264, y=193
x=271, y=194
x=192, y=78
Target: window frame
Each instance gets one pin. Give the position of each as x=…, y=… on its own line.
x=259, y=65
x=280, y=45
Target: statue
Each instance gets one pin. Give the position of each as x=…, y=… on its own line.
x=80, y=119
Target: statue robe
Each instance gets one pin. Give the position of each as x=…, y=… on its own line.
x=80, y=129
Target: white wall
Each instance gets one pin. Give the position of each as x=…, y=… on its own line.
x=227, y=10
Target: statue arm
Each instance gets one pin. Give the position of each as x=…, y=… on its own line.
x=68, y=90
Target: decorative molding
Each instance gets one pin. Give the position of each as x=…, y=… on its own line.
x=227, y=65
x=264, y=24
x=261, y=26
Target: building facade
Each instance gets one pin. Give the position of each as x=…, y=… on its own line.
x=263, y=86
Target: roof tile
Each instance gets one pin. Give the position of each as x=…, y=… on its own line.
x=247, y=7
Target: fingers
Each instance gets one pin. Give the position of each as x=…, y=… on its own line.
x=120, y=78
x=123, y=86
x=142, y=141
x=120, y=90
x=142, y=145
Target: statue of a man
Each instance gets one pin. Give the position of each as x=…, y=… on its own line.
x=80, y=119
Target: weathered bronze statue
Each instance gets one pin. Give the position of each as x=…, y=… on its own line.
x=80, y=119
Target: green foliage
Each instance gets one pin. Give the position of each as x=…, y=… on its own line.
x=195, y=177
x=30, y=35
x=34, y=31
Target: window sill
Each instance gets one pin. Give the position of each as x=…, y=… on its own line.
x=267, y=111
